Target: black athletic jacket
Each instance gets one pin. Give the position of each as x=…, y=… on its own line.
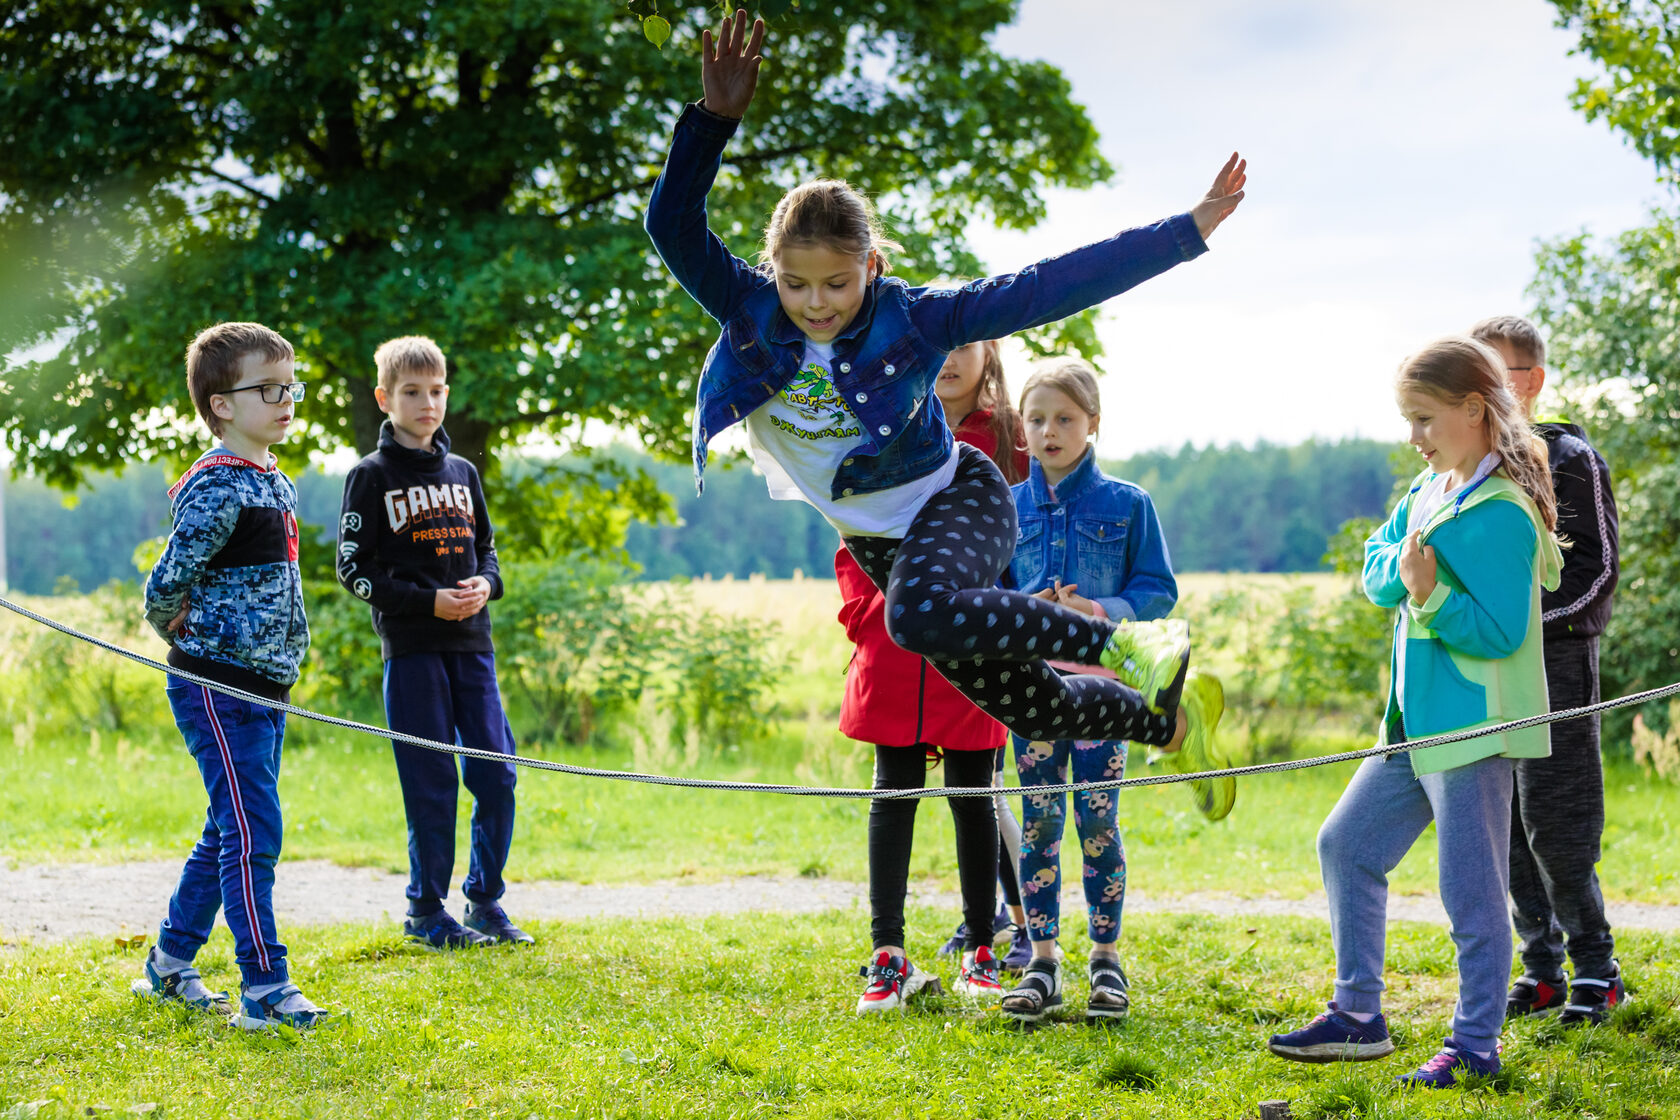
x=1580, y=607
x=413, y=522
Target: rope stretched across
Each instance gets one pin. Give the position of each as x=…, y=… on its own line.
x=823, y=791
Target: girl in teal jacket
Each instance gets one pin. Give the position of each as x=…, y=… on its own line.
x=1462, y=561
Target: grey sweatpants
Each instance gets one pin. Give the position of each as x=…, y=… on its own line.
x=1383, y=811
x=1557, y=821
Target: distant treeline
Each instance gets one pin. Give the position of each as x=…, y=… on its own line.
x=1259, y=509
x=1265, y=508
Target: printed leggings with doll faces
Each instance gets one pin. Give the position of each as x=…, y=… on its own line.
x=1096, y=817
x=989, y=642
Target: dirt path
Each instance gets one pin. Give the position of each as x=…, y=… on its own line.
x=54, y=902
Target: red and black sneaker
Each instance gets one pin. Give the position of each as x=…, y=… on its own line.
x=1591, y=1000
x=892, y=981
x=1529, y=996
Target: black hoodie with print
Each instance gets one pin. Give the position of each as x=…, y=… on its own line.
x=413, y=522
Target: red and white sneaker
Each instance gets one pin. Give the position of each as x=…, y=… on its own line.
x=979, y=976
x=892, y=981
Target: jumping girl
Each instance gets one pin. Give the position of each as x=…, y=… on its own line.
x=1093, y=544
x=1463, y=558
x=830, y=364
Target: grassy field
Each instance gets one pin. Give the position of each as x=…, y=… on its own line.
x=752, y=1016
x=732, y=1018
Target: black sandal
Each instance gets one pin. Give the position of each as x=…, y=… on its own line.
x=1039, y=990
x=1108, y=991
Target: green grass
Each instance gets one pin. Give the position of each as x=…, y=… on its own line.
x=96, y=800
x=747, y=1017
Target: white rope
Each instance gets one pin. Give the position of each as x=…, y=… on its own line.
x=824, y=791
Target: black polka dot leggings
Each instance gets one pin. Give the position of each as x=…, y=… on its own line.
x=989, y=642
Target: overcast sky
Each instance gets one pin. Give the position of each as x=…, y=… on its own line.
x=1404, y=159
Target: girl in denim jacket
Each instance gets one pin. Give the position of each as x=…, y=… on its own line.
x=830, y=364
x=1461, y=562
x=1082, y=531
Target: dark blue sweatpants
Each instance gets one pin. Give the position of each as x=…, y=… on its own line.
x=451, y=697
x=237, y=747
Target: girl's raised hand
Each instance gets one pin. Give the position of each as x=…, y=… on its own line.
x=1222, y=197
x=729, y=73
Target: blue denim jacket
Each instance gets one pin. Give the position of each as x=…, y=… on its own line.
x=1098, y=532
x=887, y=358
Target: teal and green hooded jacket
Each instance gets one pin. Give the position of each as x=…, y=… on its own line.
x=1472, y=653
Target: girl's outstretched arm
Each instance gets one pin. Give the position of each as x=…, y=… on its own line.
x=729, y=74
x=676, y=216
x=1061, y=286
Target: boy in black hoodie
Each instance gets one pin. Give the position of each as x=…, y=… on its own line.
x=414, y=540
x=1557, y=809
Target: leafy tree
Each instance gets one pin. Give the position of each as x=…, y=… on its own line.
x=347, y=170
x=1613, y=313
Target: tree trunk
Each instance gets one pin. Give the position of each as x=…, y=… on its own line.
x=365, y=416
x=469, y=437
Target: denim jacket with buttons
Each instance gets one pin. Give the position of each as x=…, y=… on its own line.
x=888, y=356
x=1098, y=532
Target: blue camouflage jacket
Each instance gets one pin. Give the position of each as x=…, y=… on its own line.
x=888, y=357
x=232, y=558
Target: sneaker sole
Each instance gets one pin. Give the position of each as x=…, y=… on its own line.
x=1214, y=797
x=1095, y=1014
x=1034, y=1016
x=1335, y=1051
x=143, y=989
x=977, y=991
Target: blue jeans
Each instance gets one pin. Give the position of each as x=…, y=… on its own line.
x=1383, y=811
x=453, y=698
x=237, y=747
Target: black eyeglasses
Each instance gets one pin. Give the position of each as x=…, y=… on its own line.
x=272, y=393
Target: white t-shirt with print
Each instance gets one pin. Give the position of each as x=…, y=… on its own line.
x=800, y=436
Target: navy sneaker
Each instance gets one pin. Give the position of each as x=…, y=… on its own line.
x=1529, y=996
x=492, y=921
x=1334, y=1037
x=958, y=941
x=1443, y=1070
x=439, y=931
x=185, y=987
x=1591, y=1000
x=1020, y=951
x=285, y=1006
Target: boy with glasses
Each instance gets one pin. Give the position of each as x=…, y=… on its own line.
x=1557, y=806
x=227, y=597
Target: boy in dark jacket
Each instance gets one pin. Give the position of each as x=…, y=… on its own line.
x=1557, y=811
x=226, y=595
x=414, y=540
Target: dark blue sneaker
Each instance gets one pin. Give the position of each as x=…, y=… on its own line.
x=1020, y=951
x=1334, y=1037
x=492, y=921
x=1441, y=1071
x=958, y=941
x=439, y=931
x=285, y=1006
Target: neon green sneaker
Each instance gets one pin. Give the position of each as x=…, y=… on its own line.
x=1148, y=656
x=1203, y=703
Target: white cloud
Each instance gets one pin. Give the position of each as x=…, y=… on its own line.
x=1405, y=158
